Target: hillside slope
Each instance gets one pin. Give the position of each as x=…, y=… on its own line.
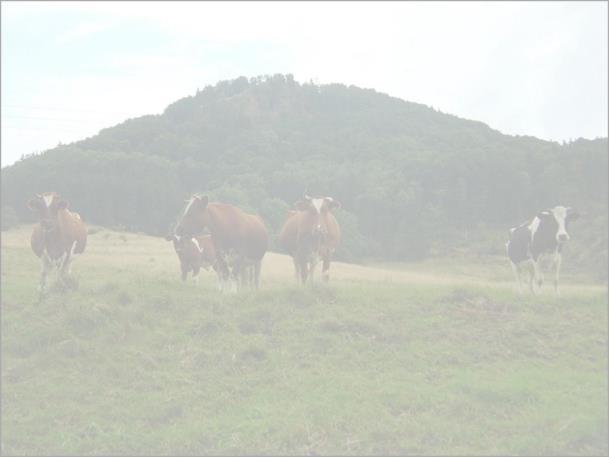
x=410, y=179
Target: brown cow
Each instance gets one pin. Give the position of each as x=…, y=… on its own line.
x=59, y=235
x=310, y=233
x=194, y=253
x=240, y=239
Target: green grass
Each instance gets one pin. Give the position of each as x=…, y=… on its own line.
x=136, y=362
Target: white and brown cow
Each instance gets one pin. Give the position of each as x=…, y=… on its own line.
x=543, y=236
x=59, y=235
x=240, y=239
x=194, y=253
x=309, y=234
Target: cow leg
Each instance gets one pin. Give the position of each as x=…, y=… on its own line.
x=539, y=274
x=256, y=274
x=296, y=269
x=518, y=275
x=531, y=273
x=218, y=278
x=314, y=260
x=557, y=264
x=235, y=268
x=233, y=278
x=67, y=263
x=47, y=265
x=195, y=275
x=304, y=270
x=325, y=271
x=184, y=272
x=247, y=276
x=243, y=276
x=223, y=272
x=250, y=275
x=312, y=267
x=63, y=270
x=240, y=274
x=535, y=277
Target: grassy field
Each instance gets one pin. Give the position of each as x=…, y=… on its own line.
x=438, y=358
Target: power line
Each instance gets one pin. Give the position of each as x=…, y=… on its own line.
x=65, y=109
x=12, y=116
x=60, y=119
x=39, y=129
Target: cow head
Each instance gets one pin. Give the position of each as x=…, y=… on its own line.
x=194, y=217
x=317, y=208
x=188, y=249
x=178, y=242
x=47, y=206
x=559, y=216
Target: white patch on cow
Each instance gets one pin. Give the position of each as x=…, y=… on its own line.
x=188, y=206
x=560, y=214
x=533, y=226
x=317, y=202
x=196, y=242
x=48, y=199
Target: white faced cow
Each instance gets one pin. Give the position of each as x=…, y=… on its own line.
x=59, y=235
x=545, y=235
x=309, y=234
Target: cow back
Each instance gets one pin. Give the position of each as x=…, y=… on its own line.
x=232, y=228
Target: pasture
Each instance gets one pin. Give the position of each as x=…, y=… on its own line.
x=438, y=358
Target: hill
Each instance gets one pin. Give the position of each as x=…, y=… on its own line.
x=412, y=181
x=424, y=361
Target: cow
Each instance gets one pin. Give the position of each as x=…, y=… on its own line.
x=240, y=239
x=310, y=233
x=545, y=235
x=194, y=253
x=59, y=235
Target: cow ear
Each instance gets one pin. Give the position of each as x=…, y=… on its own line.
x=332, y=204
x=543, y=214
x=302, y=205
x=62, y=204
x=33, y=203
x=573, y=215
x=202, y=201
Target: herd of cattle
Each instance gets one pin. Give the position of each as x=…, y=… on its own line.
x=233, y=242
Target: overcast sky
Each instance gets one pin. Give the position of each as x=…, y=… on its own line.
x=71, y=68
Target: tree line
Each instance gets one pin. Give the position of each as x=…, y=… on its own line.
x=410, y=179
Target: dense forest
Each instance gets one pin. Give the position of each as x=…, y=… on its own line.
x=413, y=181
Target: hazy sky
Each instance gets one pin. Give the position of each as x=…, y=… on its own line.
x=71, y=68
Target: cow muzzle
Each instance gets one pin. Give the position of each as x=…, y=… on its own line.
x=562, y=237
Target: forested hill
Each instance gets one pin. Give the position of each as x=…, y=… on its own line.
x=407, y=175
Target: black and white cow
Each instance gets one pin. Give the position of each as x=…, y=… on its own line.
x=544, y=236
